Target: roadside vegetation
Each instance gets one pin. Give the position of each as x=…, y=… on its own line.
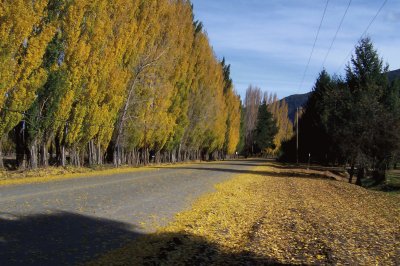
x=352, y=121
x=275, y=215
x=390, y=185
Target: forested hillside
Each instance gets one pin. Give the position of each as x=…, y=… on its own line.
x=89, y=82
x=395, y=74
x=295, y=101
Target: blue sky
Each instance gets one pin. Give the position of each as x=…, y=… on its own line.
x=268, y=42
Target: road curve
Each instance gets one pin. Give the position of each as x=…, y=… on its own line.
x=71, y=221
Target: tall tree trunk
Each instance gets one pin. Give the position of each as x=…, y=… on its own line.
x=157, y=158
x=379, y=176
x=32, y=155
x=99, y=154
x=360, y=175
x=90, y=153
x=60, y=152
x=121, y=121
x=179, y=155
x=43, y=160
x=20, y=146
x=1, y=157
x=173, y=156
x=63, y=156
x=351, y=173
x=75, y=158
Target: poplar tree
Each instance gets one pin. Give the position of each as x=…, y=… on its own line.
x=280, y=112
x=127, y=77
x=252, y=102
x=25, y=32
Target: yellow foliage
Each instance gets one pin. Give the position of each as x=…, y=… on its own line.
x=279, y=110
x=24, y=36
x=233, y=129
x=106, y=56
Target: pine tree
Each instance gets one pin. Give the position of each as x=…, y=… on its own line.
x=266, y=129
x=374, y=123
x=314, y=139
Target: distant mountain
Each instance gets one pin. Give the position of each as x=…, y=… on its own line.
x=392, y=75
x=294, y=101
x=299, y=100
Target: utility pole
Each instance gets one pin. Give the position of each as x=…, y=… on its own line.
x=297, y=135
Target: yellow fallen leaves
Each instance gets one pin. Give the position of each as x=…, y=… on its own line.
x=269, y=218
x=59, y=173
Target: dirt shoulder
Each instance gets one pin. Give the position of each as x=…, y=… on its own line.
x=274, y=215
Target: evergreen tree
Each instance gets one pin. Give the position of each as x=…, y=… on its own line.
x=373, y=120
x=266, y=129
x=314, y=139
x=355, y=121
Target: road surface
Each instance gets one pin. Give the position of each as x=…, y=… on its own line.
x=71, y=221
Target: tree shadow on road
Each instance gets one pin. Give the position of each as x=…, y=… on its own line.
x=243, y=163
x=181, y=249
x=279, y=173
x=58, y=239
x=69, y=239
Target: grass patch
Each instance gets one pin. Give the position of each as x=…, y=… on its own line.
x=393, y=178
x=391, y=185
x=257, y=219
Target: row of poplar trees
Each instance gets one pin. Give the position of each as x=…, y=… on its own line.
x=123, y=81
x=265, y=123
x=352, y=120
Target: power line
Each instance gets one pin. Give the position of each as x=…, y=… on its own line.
x=337, y=31
x=364, y=33
x=313, y=48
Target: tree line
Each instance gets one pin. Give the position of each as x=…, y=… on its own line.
x=122, y=81
x=352, y=120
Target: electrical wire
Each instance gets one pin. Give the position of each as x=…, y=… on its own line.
x=313, y=48
x=364, y=33
x=336, y=34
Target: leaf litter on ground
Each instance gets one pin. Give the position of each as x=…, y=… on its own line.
x=270, y=218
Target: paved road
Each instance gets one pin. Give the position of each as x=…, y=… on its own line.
x=71, y=221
